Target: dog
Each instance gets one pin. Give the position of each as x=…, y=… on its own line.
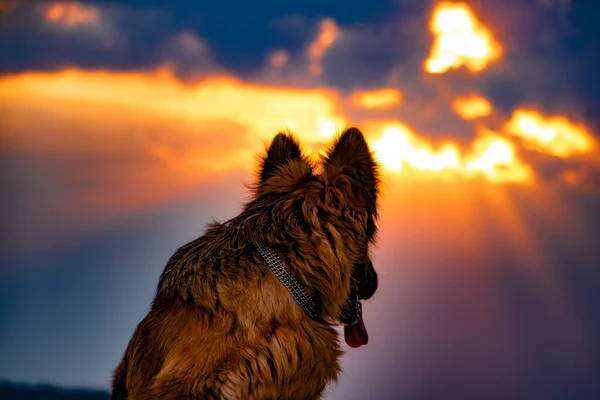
x=248, y=310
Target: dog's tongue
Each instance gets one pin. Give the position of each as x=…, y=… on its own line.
x=356, y=335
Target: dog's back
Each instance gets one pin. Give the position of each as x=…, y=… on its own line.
x=119, y=384
x=256, y=332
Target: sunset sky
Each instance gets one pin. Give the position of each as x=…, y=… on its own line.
x=127, y=126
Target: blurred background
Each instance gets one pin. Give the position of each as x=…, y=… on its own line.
x=127, y=126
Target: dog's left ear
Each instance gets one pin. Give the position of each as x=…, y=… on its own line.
x=350, y=160
x=283, y=149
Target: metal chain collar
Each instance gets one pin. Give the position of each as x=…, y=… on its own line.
x=275, y=262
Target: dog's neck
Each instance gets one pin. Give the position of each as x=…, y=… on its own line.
x=275, y=263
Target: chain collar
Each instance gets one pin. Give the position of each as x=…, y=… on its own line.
x=357, y=310
x=275, y=263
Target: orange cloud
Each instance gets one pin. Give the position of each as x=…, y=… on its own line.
x=378, y=99
x=213, y=125
x=6, y=6
x=116, y=142
x=188, y=43
x=496, y=159
x=279, y=59
x=459, y=40
x=182, y=131
x=188, y=54
x=327, y=35
x=92, y=23
x=71, y=14
x=490, y=155
x=399, y=145
x=472, y=107
x=555, y=135
x=123, y=141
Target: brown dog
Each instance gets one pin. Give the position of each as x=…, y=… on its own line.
x=229, y=321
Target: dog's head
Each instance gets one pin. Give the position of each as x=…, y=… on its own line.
x=322, y=222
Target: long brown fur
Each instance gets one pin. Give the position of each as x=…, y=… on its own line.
x=222, y=325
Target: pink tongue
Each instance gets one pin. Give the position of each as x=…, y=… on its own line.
x=356, y=335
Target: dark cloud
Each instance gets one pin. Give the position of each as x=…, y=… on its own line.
x=546, y=58
x=585, y=55
x=549, y=46
x=189, y=55
x=113, y=40
x=240, y=33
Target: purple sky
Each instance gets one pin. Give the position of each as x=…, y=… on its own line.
x=488, y=290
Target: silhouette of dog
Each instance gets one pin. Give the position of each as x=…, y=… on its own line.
x=248, y=310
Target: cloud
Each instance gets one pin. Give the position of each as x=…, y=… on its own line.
x=158, y=101
x=363, y=56
x=380, y=99
x=125, y=140
x=472, y=107
x=305, y=66
x=279, y=58
x=75, y=18
x=212, y=124
x=324, y=40
x=6, y=6
x=291, y=24
x=188, y=54
x=527, y=62
x=114, y=142
x=71, y=14
x=460, y=40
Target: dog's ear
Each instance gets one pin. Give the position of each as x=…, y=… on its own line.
x=350, y=160
x=283, y=149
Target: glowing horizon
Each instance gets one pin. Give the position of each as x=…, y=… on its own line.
x=315, y=115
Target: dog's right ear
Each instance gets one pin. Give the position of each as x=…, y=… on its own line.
x=282, y=150
x=350, y=160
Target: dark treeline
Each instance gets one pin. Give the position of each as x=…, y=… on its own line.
x=17, y=391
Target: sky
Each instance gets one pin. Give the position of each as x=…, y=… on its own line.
x=126, y=127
